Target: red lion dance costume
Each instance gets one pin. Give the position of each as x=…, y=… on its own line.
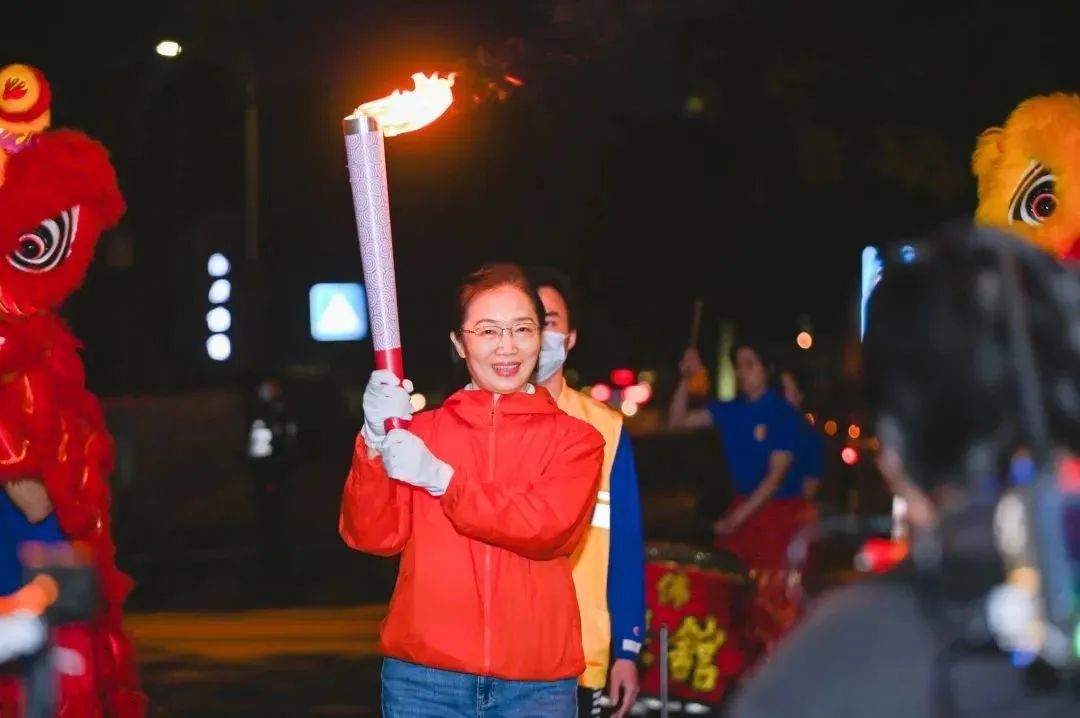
x=58, y=192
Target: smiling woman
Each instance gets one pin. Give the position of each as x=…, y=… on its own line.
x=499, y=333
x=485, y=498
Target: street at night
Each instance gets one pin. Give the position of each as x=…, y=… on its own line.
x=539, y=359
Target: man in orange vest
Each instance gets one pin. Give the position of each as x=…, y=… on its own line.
x=609, y=565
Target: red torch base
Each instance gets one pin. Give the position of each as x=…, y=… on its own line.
x=391, y=359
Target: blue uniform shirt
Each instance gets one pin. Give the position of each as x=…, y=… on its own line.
x=15, y=528
x=810, y=454
x=750, y=431
x=626, y=562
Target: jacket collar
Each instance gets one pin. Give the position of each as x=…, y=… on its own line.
x=529, y=388
x=476, y=406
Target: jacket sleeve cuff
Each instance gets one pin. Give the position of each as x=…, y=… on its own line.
x=361, y=460
x=628, y=648
x=361, y=446
x=370, y=441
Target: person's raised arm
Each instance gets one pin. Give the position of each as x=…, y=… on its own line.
x=680, y=416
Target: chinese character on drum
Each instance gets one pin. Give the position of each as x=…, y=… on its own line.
x=705, y=601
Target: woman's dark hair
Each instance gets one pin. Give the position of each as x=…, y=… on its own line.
x=941, y=360
x=561, y=283
x=493, y=276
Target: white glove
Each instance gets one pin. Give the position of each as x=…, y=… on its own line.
x=384, y=399
x=408, y=459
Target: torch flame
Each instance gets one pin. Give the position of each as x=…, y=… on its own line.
x=403, y=112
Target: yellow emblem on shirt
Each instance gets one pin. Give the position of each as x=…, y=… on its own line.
x=760, y=432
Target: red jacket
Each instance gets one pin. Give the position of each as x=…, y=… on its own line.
x=484, y=585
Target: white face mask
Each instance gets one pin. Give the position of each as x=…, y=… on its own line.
x=552, y=354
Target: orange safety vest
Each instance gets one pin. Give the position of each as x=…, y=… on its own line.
x=590, y=559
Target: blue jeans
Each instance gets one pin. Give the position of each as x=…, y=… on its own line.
x=412, y=691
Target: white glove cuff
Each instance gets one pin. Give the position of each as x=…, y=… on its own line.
x=372, y=442
x=443, y=473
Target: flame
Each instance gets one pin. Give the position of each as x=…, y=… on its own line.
x=403, y=112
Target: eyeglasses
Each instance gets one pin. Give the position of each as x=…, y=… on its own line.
x=492, y=334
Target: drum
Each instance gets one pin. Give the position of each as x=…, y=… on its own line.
x=705, y=599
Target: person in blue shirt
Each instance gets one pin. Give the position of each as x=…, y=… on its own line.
x=760, y=432
x=809, y=462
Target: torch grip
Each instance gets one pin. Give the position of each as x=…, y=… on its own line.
x=391, y=359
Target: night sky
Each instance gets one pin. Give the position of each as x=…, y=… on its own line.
x=659, y=150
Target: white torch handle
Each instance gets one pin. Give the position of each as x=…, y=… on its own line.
x=366, y=158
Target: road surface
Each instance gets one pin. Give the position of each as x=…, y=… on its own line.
x=267, y=663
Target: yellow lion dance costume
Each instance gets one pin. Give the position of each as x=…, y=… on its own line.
x=1029, y=174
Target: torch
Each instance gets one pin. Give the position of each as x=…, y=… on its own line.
x=364, y=131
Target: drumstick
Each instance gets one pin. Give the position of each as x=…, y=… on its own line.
x=695, y=323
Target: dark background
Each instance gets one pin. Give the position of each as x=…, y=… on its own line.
x=659, y=150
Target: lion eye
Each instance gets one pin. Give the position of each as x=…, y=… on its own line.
x=45, y=247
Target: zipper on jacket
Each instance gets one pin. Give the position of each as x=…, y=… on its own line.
x=487, y=547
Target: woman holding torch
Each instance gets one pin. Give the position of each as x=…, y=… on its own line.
x=485, y=498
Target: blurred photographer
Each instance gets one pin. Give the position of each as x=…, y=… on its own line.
x=942, y=371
